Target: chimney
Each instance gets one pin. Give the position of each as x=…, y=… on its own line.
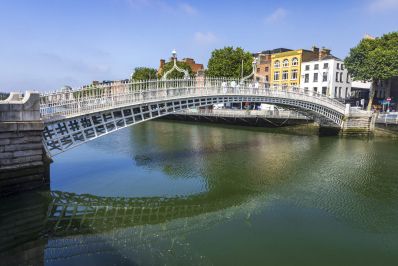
x=162, y=62
x=315, y=50
x=323, y=53
x=189, y=61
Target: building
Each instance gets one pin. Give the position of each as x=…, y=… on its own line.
x=360, y=90
x=286, y=66
x=196, y=68
x=326, y=75
x=264, y=63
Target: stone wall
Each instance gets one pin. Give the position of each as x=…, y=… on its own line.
x=22, y=164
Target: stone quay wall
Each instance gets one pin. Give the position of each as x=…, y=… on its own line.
x=22, y=157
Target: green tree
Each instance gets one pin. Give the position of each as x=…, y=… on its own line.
x=144, y=73
x=374, y=60
x=227, y=62
x=176, y=74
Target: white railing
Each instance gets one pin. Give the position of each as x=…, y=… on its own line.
x=62, y=104
x=284, y=114
x=389, y=118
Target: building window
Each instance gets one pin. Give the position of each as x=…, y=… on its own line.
x=335, y=92
x=338, y=66
x=315, y=89
x=325, y=76
x=266, y=78
x=285, y=63
x=316, y=66
x=337, y=76
x=339, y=92
x=285, y=75
x=341, y=77
x=315, y=77
x=277, y=64
x=347, y=78
x=295, y=61
x=307, y=67
x=294, y=74
x=305, y=88
x=346, y=93
x=307, y=78
x=276, y=75
x=284, y=86
x=325, y=66
x=324, y=89
x=266, y=69
x=342, y=67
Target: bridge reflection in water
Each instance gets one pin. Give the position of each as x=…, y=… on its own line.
x=59, y=225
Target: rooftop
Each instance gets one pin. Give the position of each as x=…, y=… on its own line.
x=328, y=57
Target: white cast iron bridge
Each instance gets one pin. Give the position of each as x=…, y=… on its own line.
x=73, y=117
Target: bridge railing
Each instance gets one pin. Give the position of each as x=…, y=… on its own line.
x=56, y=105
x=283, y=114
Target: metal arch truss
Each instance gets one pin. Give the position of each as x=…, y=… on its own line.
x=62, y=135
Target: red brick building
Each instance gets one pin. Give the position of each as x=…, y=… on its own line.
x=196, y=68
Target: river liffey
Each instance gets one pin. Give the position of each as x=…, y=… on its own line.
x=170, y=193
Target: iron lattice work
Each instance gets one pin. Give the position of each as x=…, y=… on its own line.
x=75, y=117
x=71, y=214
x=81, y=225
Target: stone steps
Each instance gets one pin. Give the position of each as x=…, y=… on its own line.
x=357, y=125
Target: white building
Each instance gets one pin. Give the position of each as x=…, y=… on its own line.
x=327, y=76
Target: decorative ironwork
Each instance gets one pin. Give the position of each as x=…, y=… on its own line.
x=175, y=67
x=86, y=115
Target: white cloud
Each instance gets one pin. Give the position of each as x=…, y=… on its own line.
x=188, y=9
x=382, y=5
x=205, y=38
x=278, y=15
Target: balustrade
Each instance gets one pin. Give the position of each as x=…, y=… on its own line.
x=88, y=100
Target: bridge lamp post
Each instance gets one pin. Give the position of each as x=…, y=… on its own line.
x=175, y=67
x=254, y=69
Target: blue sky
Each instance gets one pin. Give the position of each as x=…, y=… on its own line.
x=46, y=44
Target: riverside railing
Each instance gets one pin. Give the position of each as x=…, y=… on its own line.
x=389, y=118
x=55, y=105
x=284, y=114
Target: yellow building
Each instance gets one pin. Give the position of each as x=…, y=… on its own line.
x=286, y=66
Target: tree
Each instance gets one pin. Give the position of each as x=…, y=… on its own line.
x=374, y=60
x=144, y=73
x=227, y=62
x=176, y=74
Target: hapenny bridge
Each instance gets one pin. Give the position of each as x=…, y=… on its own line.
x=34, y=126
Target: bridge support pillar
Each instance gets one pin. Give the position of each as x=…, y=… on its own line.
x=358, y=125
x=22, y=157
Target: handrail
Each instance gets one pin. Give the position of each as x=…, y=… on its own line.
x=245, y=113
x=87, y=100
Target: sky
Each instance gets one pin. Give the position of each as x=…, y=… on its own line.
x=46, y=44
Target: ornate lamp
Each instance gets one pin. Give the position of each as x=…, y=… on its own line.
x=175, y=67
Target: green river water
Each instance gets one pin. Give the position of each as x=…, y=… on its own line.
x=170, y=193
